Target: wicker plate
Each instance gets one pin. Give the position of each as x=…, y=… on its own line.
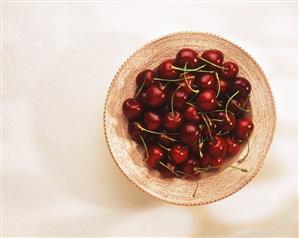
x=128, y=156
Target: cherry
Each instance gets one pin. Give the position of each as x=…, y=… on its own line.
x=179, y=98
x=187, y=57
x=172, y=121
x=191, y=88
x=205, y=161
x=132, y=109
x=155, y=154
x=206, y=100
x=213, y=56
x=191, y=114
x=135, y=132
x=224, y=86
x=229, y=70
x=236, y=104
x=166, y=71
x=155, y=96
x=142, y=98
x=228, y=121
x=167, y=141
x=217, y=147
x=168, y=172
x=189, y=133
x=217, y=162
x=152, y=121
x=206, y=81
x=205, y=131
x=243, y=129
x=179, y=153
x=188, y=167
x=233, y=147
x=145, y=77
x=240, y=85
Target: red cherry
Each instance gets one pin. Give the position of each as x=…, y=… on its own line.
x=206, y=81
x=155, y=96
x=235, y=104
x=167, y=172
x=187, y=56
x=240, y=85
x=205, y=131
x=179, y=98
x=172, y=121
x=147, y=76
x=191, y=84
x=217, y=147
x=217, y=162
x=152, y=121
x=227, y=123
x=142, y=98
x=132, y=109
x=135, y=132
x=243, y=129
x=229, y=70
x=179, y=153
x=205, y=161
x=189, y=133
x=166, y=71
x=206, y=100
x=233, y=147
x=155, y=154
x=224, y=86
x=213, y=56
x=188, y=167
x=191, y=114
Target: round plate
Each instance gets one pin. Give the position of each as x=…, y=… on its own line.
x=129, y=156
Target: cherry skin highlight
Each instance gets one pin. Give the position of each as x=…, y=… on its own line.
x=155, y=96
x=206, y=100
x=240, y=85
x=217, y=147
x=179, y=153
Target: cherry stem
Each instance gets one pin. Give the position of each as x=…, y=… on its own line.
x=167, y=137
x=209, y=120
x=228, y=101
x=206, y=169
x=169, y=169
x=242, y=109
x=247, y=152
x=216, y=120
x=149, y=131
x=145, y=146
x=165, y=148
x=141, y=87
x=206, y=71
x=188, y=70
x=191, y=104
x=218, y=82
x=215, y=65
x=168, y=80
x=171, y=103
x=207, y=124
x=241, y=169
x=189, y=175
x=187, y=84
x=222, y=133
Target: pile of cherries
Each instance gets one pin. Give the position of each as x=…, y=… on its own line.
x=190, y=113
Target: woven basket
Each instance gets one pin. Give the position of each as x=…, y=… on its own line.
x=129, y=156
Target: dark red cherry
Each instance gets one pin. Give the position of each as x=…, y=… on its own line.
x=191, y=85
x=206, y=100
x=167, y=141
x=233, y=147
x=227, y=123
x=229, y=70
x=217, y=147
x=206, y=81
x=172, y=121
x=205, y=161
x=151, y=138
x=240, y=85
x=191, y=114
x=205, y=131
x=132, y=109
x=189, y=133
x=155, y=96
x=152, y=121
x=224, y=86
x=142, y=98
x=166, y=71
x=135, y=132
x=179, y=98
x=169, y=171
x=146, y=76
x=179, y=153
x=213, y=56
x=187, y=56
x=243, y=129
x=235, y=104
x=155, y=154
x=189, y=166
x=217, y=161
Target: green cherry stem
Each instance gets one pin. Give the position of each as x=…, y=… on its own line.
x=188, y=70
x=207, y=124
x=168, y=80
x=149, y=131
x=196, y=91
x=218, y=82
x=141, y=87
x=165, y=148
x=172, y=171
x=145, y=146
x=189, y=175
x=215, y=65
x=167, y=137
x=228, y=101
x=242, y=109
x=247, y=152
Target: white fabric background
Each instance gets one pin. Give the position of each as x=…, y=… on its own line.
x=58, y=176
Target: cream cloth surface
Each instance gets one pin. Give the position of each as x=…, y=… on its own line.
x=58, y=176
